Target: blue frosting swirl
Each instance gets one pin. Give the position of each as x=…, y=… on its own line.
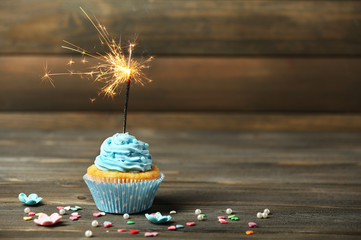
x=124, y=153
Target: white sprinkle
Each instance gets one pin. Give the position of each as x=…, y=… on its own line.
x=126, y=216
x=264, y=215
x=267, y=211
x=102, y=213
x=172, y=212
x=95, y=223
x=197, y=211
x=88, y=233
x=74, y=213
x=67, y=208
x=62, y=211
x=26, y=210
x=200, y=217
x=259, y=215
x=229, y=211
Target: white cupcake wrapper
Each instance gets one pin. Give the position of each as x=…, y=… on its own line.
x=122, y=196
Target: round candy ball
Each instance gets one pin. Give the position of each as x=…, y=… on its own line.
x=229, y=211
x=267, y=211
x=264, y=215
x=62, y=211
x=26, y=210
x=95, y=223
x=197, y=211
x=259, y=215
x=126, y=216
x=88, y=233
x=200, y=217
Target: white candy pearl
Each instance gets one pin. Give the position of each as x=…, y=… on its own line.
x=26, y=210
x=62, y=211
x=197, y=211
x=88, y=233
x=95, y=223
x=264, y=215
x=200, y=217
x=267, y=211
x=126, y=216
x=229, y=211
x=259, y=215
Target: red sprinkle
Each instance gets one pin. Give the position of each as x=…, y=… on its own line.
x=106, y=225
x=190, y=223
x=121, y=230
x=31, y=213
x=172, y=228
x=96, y=214
x=223, y=222
x=221, y=217
x=134, y=231
x=60, y=207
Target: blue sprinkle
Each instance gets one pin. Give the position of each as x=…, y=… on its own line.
x=107, y=222
x=74, y=209
x=179, y=226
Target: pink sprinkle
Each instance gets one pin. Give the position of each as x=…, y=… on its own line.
x=77, y=216
x=106, y=225
x=150, y=234
x=96, y=214
x=60, y=207
x=172, y=228
x=221, y=217
x=121, y=230
x=223, y=222
x=252, y=224
x=190, y=223
x=31, y=213
x=73, y=218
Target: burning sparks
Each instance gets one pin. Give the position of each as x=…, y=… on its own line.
x=113, y=69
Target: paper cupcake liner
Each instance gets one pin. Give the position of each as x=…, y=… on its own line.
x=122, y=196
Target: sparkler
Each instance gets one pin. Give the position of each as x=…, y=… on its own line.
x=113, y=70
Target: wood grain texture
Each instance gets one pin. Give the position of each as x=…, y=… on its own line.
x=192, y=84
x=187, y=27
x=309, y=180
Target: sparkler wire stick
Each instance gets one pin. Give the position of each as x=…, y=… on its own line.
x=127, y=90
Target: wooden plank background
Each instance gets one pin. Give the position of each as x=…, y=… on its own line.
x=211, y=55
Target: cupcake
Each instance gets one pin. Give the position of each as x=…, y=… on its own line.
x=123, y=178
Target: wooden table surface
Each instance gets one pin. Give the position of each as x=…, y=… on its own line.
x=305, y=168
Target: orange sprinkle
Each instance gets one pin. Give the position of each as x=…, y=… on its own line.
x=249, y=232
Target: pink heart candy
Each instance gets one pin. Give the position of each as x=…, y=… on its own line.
x=150, y=234
x=252, y=224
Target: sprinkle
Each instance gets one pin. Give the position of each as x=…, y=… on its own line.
x=179, y=226
x=252, y=224
x=221, y=217
x=79, y=208
x=38, y=214
x=31, y=213
x=107, y=224
x=235, y=219
x=96, y=214
x=27, y=218
x=74, y=213
x=102, y=213
x=229, y=211
x=67, y=208
x=172, y=212
x=77, y=216
x=249, y=232
x=73, y=218
x=74, y=209
x=223, y=222
x=60, y=207
x=190, y=223
x=204, y=215
x=172, y=227
x=134, y=231
x=231, y=216
x=130, y=222
x=121, y=230
x=150, y=234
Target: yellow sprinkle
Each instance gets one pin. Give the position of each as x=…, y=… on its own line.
x=38, y=214
x=249, y=232
x=27, y=218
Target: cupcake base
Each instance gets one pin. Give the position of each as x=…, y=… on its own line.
x=122, y=196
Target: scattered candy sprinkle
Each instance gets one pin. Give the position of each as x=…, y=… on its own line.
x=172, y=212
x=96, y=214
x=179, y=226
x=26, y=210
x=172, y=228
x=221, y=217
x=134, y=231
x=62, y=211
x=234, y=218
x=204, y=215
x=121, y=230
x=223, y=221
x=60, y=207
x=38, y=214
x=102, y=213
x=74, y=213
x=200, y=217
x=252, y=224
x=107, y=224
x=231, y=216
x=79, y=208
x=73, y=209
x=73, y=218
x=249, y=232
x=150, y=234
x=31, y=213
x=197, y=211
x=77, y=216
x=190, y=223
x=95, y=223
x=27, y=218
x=88, y=233
x=67, y=208
x=130, y=222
